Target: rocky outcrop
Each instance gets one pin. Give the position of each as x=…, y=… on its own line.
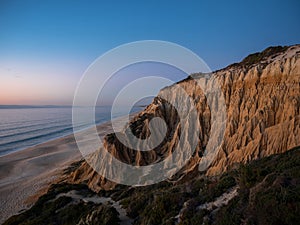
x=262, y=99
x=263, y=103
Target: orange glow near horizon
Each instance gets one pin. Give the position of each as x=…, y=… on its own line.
x=37, y=85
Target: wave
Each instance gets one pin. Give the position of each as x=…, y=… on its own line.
x=53, y=133
x=31, y=131
x=20, y=129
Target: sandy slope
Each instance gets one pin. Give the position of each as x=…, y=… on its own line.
x=27, y=174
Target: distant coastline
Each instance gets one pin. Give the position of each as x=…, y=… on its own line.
x=33, y=106
x=50, y=106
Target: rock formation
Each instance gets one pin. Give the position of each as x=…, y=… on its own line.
x=262, y=99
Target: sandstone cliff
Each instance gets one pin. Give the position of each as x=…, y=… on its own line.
x=262, y=99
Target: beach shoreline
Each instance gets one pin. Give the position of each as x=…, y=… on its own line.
x=25, y=175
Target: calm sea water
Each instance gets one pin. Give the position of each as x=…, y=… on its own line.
x=21, y=128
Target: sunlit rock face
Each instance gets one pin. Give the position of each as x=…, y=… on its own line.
x=261, y=95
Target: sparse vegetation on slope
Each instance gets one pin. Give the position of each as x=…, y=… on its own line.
x=51, y=209
x=269, y=193
x=260, y=56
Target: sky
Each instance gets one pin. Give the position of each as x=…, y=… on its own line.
x=45, y=46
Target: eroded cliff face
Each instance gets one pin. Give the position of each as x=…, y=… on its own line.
x=262, y=99
x=263, y=109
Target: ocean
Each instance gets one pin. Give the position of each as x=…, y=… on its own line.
x=24, y=126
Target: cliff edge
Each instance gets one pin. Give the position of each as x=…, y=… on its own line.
x=262, y=98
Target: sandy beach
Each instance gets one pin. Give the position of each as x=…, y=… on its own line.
x=27, y=174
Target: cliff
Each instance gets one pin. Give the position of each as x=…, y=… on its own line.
x=262, y=99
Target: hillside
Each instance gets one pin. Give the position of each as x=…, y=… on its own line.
x=263, y=192
x=262, y=98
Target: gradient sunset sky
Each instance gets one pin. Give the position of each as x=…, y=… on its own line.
x=45, y=46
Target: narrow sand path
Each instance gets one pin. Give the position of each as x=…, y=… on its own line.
x=220, y=201
x=124, y=219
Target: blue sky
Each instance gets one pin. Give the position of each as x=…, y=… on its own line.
x=45, y=46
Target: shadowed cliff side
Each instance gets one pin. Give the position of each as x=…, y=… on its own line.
x=262, y=98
